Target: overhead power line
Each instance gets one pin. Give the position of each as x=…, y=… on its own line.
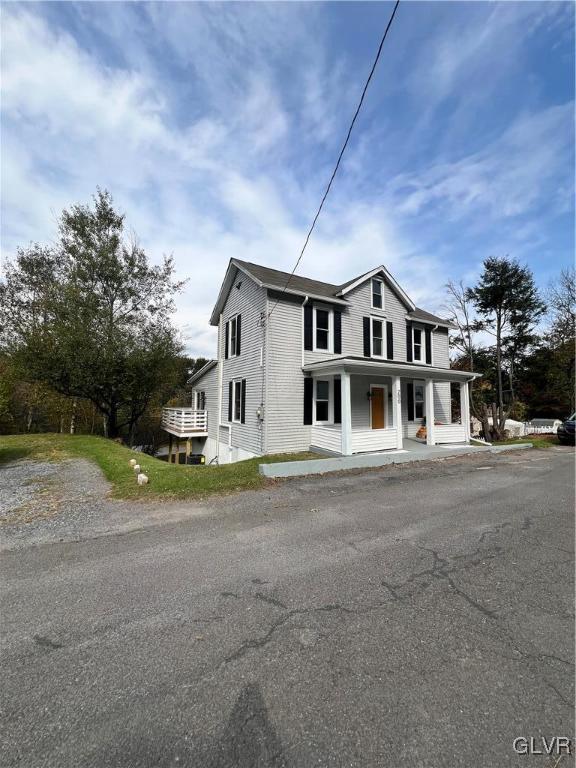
x=334, y=172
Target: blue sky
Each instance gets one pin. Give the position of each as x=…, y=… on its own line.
x=216, y=127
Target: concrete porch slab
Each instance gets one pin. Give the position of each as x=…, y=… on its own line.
x=368, y=460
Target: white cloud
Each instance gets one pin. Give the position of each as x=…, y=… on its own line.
x=507, y=178
x=228, y=159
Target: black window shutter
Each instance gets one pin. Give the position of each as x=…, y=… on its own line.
x=243, y=402
x=337, y=401
x=410, y=399
x=226, y=341
x=337, y=332
x=308, y=327
x=229, y=401
x=308, y=397
x=428, y=335
x=366, y=321
x=409, y=342
x=238, y=333
x=389, y=340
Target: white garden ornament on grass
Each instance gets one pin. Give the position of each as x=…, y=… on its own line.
x=136, y=468
x=142, y=479
x=132, y=462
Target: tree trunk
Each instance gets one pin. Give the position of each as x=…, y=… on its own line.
x=113, y=422
x=499, y=373
x=485, y=422
x=73, y=416
x=497, y=430
x=29, y=418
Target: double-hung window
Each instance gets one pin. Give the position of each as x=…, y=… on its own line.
x=418, y=401
x=322, y=329
x=200, y=400
x=233, y=336
x=417, y=344
x=377, y=337
x=322, y=402
x=377, y=294
x=236, y=401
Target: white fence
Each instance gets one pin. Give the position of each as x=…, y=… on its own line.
x=541, y=427
x=184, y=422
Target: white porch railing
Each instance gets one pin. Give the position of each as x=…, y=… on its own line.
x=449, y=433
x=327, y=438
x=364, y=440
x=185, y=422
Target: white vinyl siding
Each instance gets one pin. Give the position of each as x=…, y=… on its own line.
x=440, y=348
x=249, y=301
x=360, y=300
x=284, y=410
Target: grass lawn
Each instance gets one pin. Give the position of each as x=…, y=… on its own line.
x=165, y=480
x=538, y=441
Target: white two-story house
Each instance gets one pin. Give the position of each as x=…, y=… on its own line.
x=310, y=365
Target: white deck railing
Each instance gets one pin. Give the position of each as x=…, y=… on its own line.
x=185, y=422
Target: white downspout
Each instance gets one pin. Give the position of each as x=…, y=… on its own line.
x=220, y=376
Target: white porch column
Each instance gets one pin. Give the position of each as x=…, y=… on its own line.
x=397, y=410
x=465, y=409
x=430, y=412
x=346, y=414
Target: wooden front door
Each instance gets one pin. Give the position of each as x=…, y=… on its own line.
x=377, y=404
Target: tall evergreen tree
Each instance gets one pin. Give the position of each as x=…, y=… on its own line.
x=507, y=301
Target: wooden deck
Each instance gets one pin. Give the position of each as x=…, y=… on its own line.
x=185, y=422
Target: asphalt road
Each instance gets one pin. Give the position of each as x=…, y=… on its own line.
x=418, y=616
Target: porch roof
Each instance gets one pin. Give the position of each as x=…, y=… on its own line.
x=369, y=366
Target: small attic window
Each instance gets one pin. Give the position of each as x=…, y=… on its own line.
x=377, y=294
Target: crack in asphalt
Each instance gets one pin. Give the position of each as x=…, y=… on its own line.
x=442, y=569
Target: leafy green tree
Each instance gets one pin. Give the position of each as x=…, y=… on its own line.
x=507, y=301
x=90, y=317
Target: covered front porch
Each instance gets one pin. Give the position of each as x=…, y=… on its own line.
x=365, y=406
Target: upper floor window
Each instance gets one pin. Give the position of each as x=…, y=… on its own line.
x=322, y=329
x=417, y=343
x=234, y=336
x=377, y=294
x=376, y=337
x=200, y=400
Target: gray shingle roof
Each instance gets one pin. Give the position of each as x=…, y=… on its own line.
x=421, y=314
x=277, y=279
x=305, y=285
x=201, y=371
